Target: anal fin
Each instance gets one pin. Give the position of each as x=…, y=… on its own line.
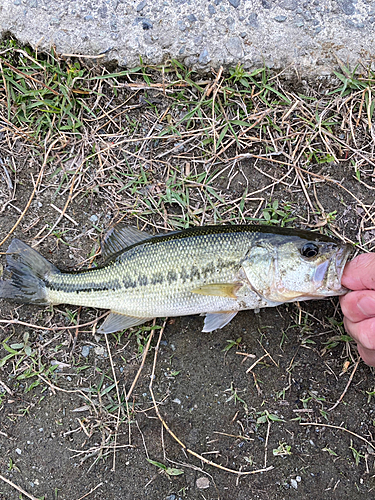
x=213, y=321
x=116, y=322
x=219, y=289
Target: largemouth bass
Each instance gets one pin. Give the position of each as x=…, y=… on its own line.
x=213, y=270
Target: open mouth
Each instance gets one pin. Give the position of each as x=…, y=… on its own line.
x=328, y=274
x=341, y=259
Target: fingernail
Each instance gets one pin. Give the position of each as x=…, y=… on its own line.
x=367, y=306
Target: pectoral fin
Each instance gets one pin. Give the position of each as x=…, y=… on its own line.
x=213, y=321
x=219, y=289
x=116, y=322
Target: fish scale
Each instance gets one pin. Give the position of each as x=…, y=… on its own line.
x=156, y=278
x=214, y=270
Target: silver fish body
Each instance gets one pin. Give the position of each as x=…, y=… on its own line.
x=214, y=270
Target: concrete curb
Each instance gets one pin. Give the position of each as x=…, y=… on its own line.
x=305, y=36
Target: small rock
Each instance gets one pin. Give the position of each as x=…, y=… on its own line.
x=94, y=218
x=234, y=46
x=298, y=479
x=235, y=3
x=141, y=6
x=147, y=24
x=253, y=20
x=99, y=350
x=347, y=6
x=191, y=18
x=203, y=483
x=280, y=19
x=85, y=350
x=294, y=484
x=181, y=25
x=211, y=9
x=18, y=451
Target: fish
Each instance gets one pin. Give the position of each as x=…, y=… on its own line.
x=215, y=271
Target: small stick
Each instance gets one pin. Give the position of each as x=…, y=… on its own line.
x=142, y=364
x=256, y=362
x=91, y=491
x=30, y=77
x=341, y=429
x=266, y=443
x=347, y=386
x=65, y=215
x=9, y=391
x=51, y=329
x=18, y=488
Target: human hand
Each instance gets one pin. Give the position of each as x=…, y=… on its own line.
x=358, y=306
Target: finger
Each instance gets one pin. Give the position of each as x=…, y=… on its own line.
x=367, y=355
x=357, y=306
x=363, y=332
x=359, y=274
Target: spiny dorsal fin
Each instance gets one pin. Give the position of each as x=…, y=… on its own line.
x=119, y=237
x=219, y=289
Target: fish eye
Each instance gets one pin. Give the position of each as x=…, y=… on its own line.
x=310, y=250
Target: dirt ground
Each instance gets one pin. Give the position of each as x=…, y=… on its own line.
x=66, y=429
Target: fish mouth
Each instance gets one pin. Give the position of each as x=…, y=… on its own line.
x=329, y=273
x=341, y=259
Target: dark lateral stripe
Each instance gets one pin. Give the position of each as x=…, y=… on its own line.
x=117, y=284
x=77, y=285
x=90, y=286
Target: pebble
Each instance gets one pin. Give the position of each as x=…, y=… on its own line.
x=235, y=3
x=253, y=20
x=347, y=6
x=202, y=483
x=94, y=218
x=146, y=23
x=234, y=46
x=294, y=483
x=280, y=19
x=181, y=25
x=99, y=350
x=85, y=350
x=18, y=451
x=191, y=18
x=141, y=6
x=211, y=9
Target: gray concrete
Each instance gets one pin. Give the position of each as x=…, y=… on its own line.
x=306, y=35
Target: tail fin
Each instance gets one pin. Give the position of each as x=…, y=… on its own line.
x=27, y=271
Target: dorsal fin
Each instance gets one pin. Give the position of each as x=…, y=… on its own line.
x=119, y=237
